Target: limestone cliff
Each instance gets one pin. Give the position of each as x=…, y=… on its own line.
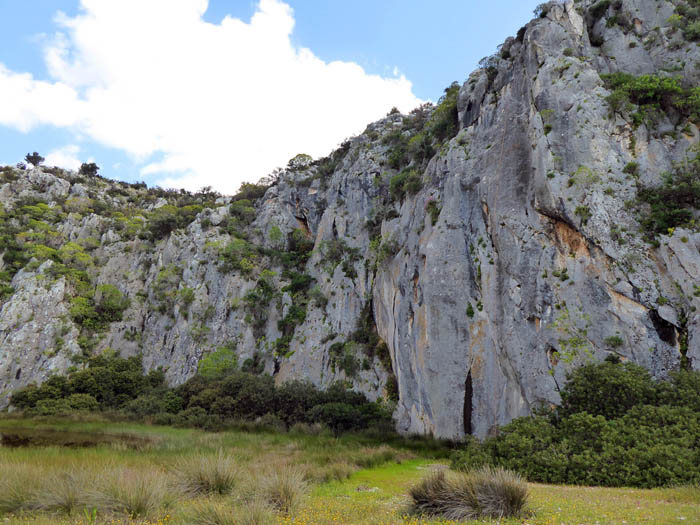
x=464, y=270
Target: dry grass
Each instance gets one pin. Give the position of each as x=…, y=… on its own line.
x=337, y=471
x=207, y=474
x=283, y=489
x=256, y=512
x=377, y=496
x=208, y=512
x=225, y=512
x=484, y=493
x=63, y=491
x=183, y=475
x=18, y=486
x=135, y=493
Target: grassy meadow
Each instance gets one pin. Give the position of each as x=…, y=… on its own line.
x=150, y=474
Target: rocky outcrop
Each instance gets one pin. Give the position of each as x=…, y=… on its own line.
x=515, y=260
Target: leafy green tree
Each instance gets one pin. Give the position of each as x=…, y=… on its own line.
x=34, y=159
x=221, y=362
x=110, y=303
x=89, y=169
x=606, y=389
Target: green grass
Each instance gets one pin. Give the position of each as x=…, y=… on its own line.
x=373, y=495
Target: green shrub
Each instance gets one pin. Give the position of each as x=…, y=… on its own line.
x=433, y=208
x=34, y=159
x=631, y=168
x=243, y=211
x=682, y=390
x=162, y=221
x=83, y=402
x=82, y=311
x=471, y=455
x=674, y=202
x=219, y=363
x=108, y=379
x=294, y=400
x=110, y=303
x=207, y=400
x=614, y=341
x=339, y=417
x=238, y=255
x=251, y=192
x=651, y=93
x=408, y=181
x=444, y=122
x=104, y=306
x=584, y=212
x=470, y=310
x=615, y=427
x=420, y=147
x=89, y=169
x=591, y=388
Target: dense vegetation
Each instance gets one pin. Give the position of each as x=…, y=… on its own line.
x=615, y=427
x=687, y=19
x=421, y=135
x=220, y=394
x=674, y=202
x=647, y=97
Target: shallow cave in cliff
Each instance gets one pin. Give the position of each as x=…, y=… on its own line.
x=468, y=394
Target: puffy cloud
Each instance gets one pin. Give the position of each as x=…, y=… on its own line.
x=216, y=104
x=35, y=102
x=65, y=157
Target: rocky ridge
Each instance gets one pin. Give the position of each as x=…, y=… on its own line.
x=457, y=272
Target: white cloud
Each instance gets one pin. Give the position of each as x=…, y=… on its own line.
x=33, y=102
x=65, y=157
x=217, y=104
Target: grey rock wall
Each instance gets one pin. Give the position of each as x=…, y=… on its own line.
x=484, y=311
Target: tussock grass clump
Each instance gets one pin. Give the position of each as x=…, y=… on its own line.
x=207, y=474
x=64, y=491
x=18, y=485
x=224, y=512
x=484, y=493
x=208, y=512
x=337, y=471
x=283, y=488
x=370, y=457
x=256, y=512
x=309, y=429
x=135, y=493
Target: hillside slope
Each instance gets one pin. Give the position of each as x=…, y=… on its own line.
x=457, y=260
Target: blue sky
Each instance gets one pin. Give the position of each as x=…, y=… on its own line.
x=193, y=93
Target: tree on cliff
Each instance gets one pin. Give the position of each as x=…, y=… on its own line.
x=89, y=169
x=34, y=159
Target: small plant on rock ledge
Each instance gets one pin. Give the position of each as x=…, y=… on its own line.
x=433, y=208
x=584, y=212
x=672, y=204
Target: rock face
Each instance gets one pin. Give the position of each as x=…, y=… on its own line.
x=514, y=259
